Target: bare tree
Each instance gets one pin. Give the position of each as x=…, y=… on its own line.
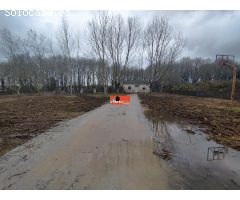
x=97, y=39
x=133, y=36
x=115, y=47
x=10, y=46
x=162, y=47
x=66, y=43
x=122, y=42
x=11, y=50
x=39, y=45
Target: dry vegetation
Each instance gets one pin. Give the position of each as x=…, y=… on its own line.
x=22, y=118
x=220, y=119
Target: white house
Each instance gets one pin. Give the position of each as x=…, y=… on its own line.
x=136, y=88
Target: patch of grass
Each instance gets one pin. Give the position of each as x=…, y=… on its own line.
x=73, y=96
x=206, y=86
x=234, y=109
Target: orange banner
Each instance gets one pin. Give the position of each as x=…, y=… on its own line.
x=120, y=100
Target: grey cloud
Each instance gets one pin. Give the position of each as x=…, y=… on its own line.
x=207, y=32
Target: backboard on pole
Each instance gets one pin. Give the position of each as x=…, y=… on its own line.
x=224, y=60
x=228, y=61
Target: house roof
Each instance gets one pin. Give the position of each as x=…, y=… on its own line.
x=134, y=83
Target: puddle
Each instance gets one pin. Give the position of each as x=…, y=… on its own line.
x=203, y=164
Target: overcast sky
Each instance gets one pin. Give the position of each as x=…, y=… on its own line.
x=207, y=33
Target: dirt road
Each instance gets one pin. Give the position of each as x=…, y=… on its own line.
x=118, y=147
x=107, y=148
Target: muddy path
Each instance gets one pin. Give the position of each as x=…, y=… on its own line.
x=107, y=148
x=112, y=147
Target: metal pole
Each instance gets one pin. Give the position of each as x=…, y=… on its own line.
x=234, y=82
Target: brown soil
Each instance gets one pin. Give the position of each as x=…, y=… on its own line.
x=220, y=119
x=24, y=117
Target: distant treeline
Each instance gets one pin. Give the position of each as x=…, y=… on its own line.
x=112, y=51
x=216, y=89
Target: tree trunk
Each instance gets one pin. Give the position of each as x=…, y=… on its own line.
x=162, y=86
x=3, y=84
x=117, y=90
x=105, y=89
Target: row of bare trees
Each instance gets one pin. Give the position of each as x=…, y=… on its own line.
x=114, y=50
x=33, y=64
x=114, y=43
x=186, y=70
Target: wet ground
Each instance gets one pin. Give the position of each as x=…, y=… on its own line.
x=202, y=163
x=117, y=147
x=220, y=118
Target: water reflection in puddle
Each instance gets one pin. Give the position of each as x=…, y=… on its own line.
x=203, y=164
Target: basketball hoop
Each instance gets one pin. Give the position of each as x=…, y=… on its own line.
x=224, y=60
x=228, y=61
